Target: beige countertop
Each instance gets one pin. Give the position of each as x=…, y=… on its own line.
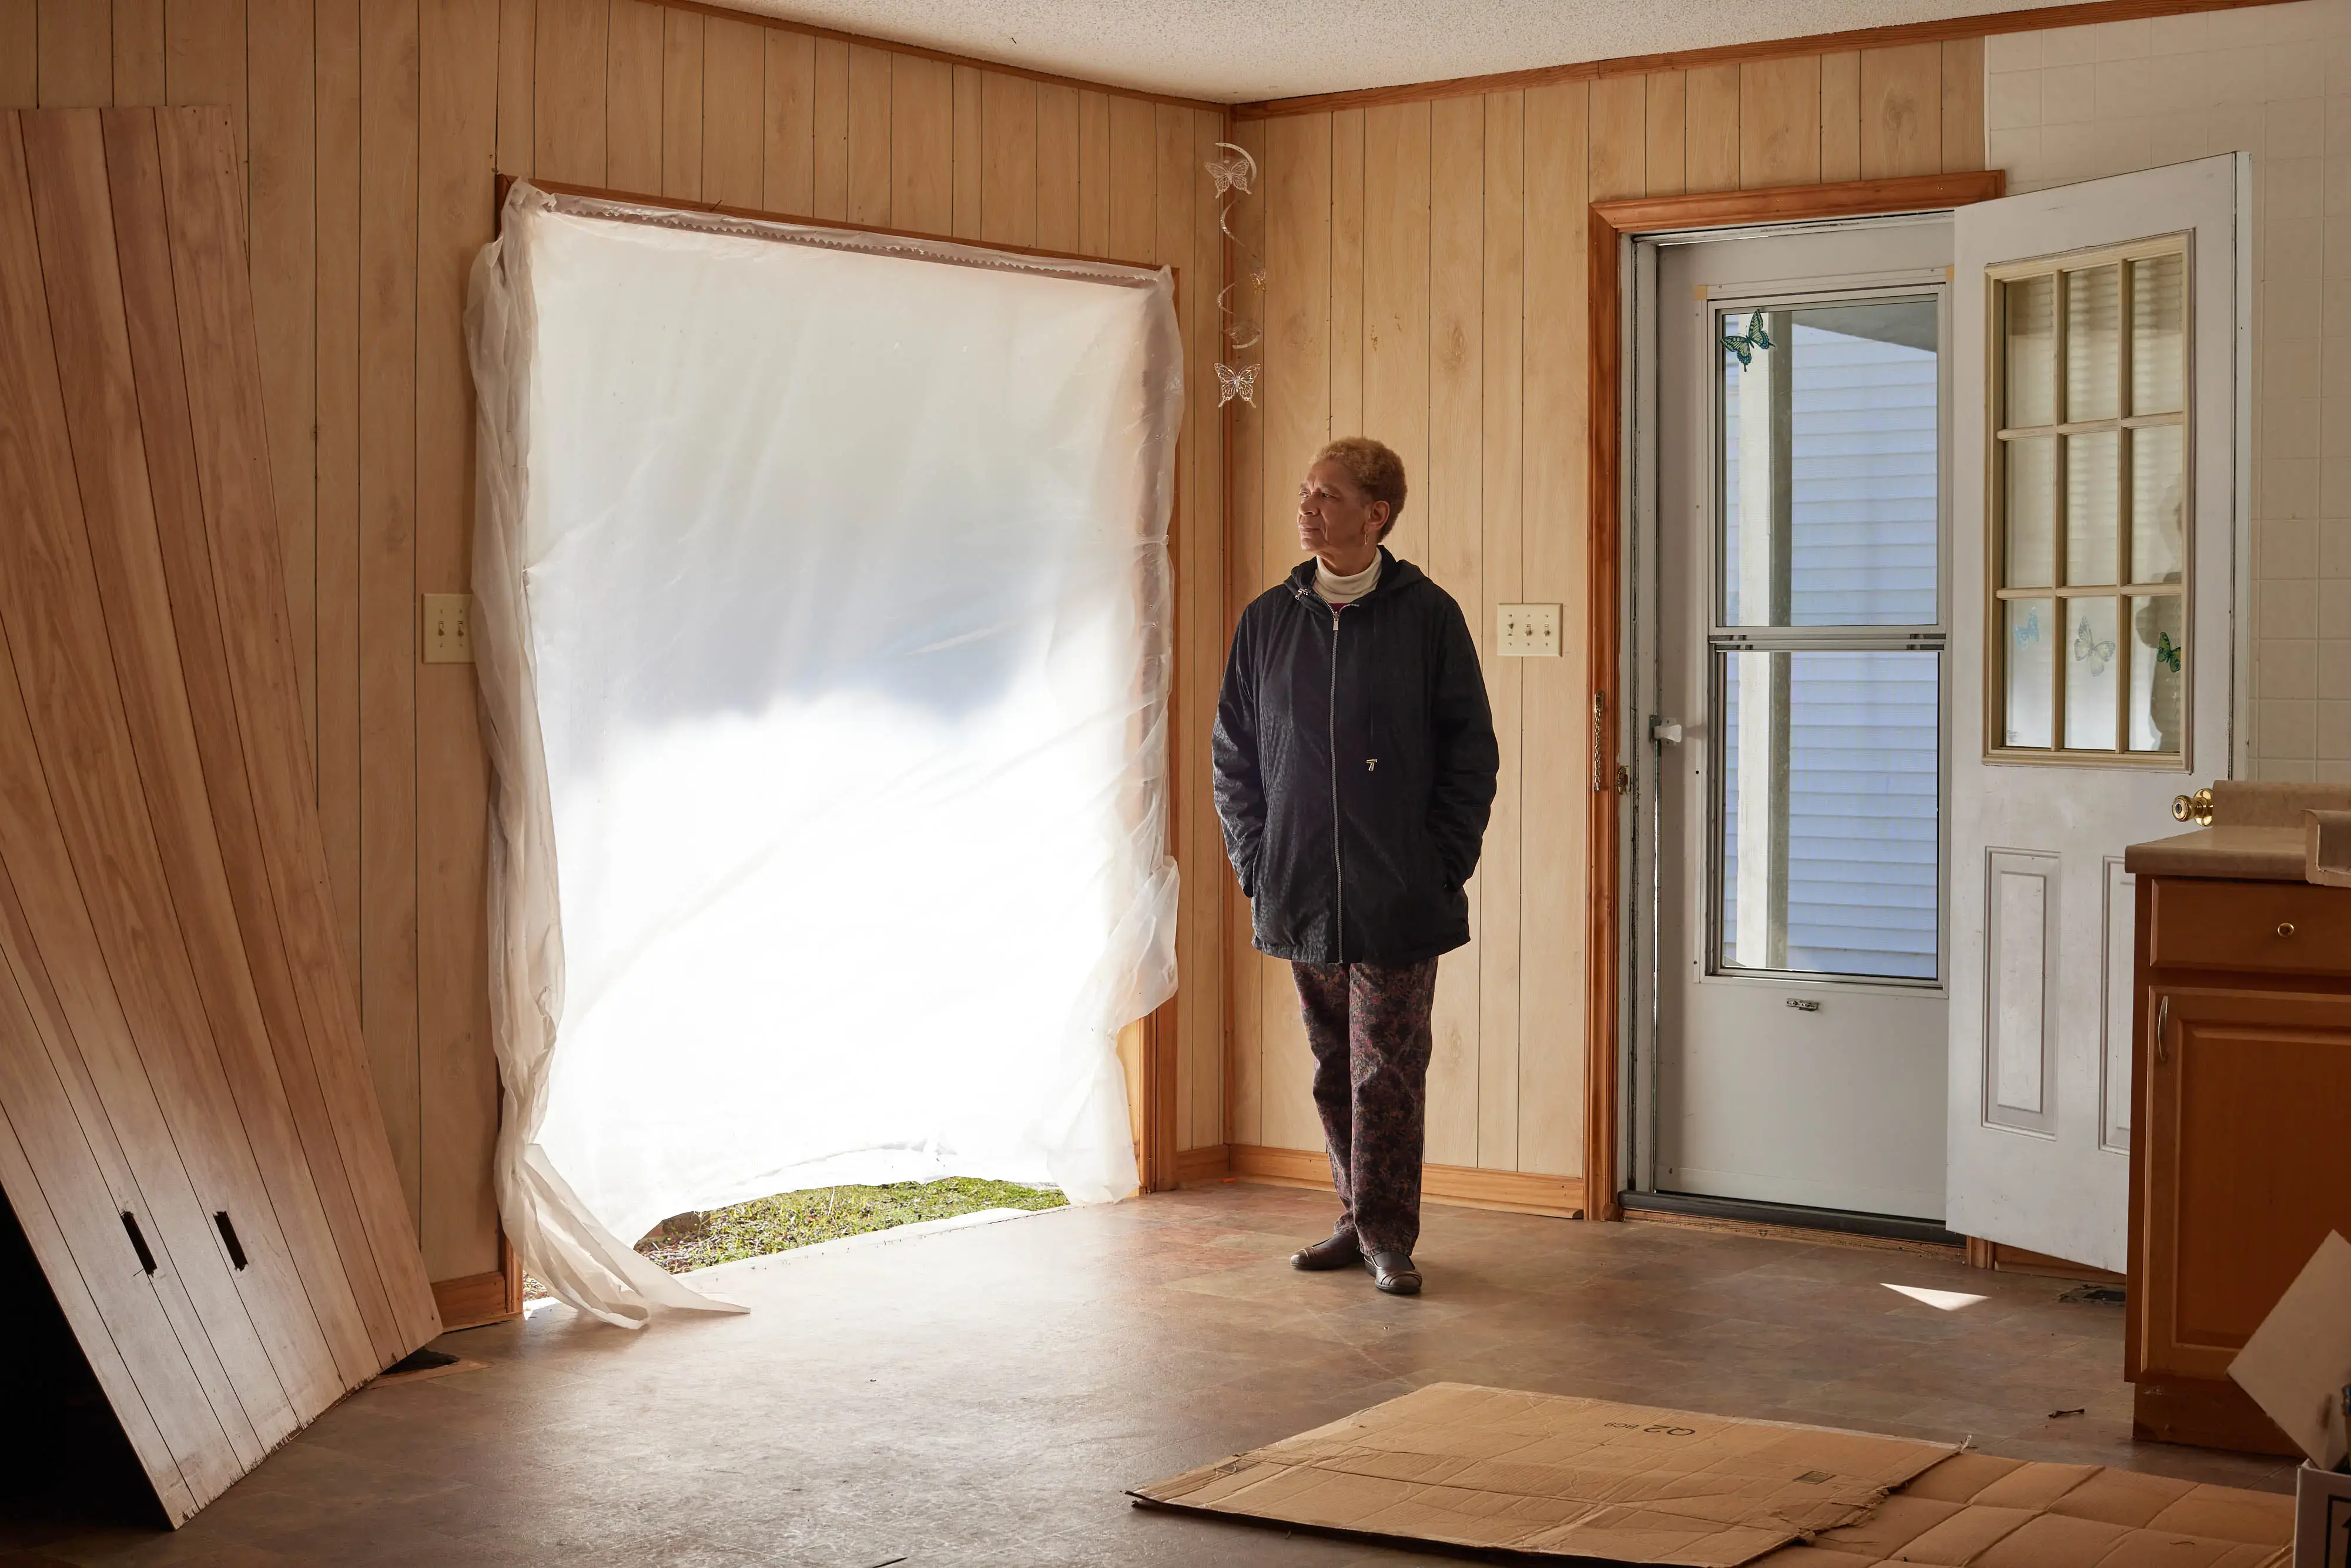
x=2244, y=854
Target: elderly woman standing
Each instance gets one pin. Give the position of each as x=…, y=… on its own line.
x=1355, y=759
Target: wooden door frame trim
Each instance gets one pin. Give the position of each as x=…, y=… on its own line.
x=1941, y=30
x=1613, y=223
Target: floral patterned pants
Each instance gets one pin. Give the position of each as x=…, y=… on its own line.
x=1368, y=1026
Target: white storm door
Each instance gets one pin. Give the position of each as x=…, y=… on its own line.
x=2098, y=418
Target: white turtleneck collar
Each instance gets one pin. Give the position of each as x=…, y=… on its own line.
x=1335, y=590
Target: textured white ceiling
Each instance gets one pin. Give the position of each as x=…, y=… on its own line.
x=1243, y=50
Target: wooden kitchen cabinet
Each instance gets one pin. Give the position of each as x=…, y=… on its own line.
x=2241, y=1092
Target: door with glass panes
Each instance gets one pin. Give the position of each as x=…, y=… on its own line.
x=1799, y=640
x=2097, y=419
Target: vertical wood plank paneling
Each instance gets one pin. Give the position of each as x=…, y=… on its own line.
x=338, y=698
x=387, y=571
x=20, y=54
x=283, y=233
x=75, y=61
x=1093, y=173
x=1901, y=111
x=1841, y=116
x=870, y=93
x=733, y=88
x=681, y=104
x=1395, y=300
x=1453, y=489
x=632, y=97
x=1963, y=105
x=1172, y=243
x=457, y=1077
x=568, y=92
x=204, y=57
x=138, y=52
x=1665, y=107
x=1056, y=167
x=829, y=117
x=1008, y=169
x=1202, y=649
x=1297, y=382
x=1779, y=122
x=1133, y=180
x=1246, y=576
x=1710, y=132
x=1620, y=137
x=1346, y=273
x=1499, y=875
x=968, y=172
x=922, y=144
x=787, y=123
x=1556, y=769
x=518, y=64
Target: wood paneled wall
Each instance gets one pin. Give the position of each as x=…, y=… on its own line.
x=371, y=132
x=1427, y=270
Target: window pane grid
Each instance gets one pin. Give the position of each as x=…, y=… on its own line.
x=2085, y=348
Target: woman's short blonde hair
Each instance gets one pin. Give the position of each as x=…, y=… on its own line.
x=1377, y=472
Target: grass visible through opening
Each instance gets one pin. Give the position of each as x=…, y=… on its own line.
x=793, y=1220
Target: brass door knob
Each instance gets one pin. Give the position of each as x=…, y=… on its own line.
x=2196, y=807
x=2285, y=927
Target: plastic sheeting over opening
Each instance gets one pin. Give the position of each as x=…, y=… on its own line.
x=823, y=606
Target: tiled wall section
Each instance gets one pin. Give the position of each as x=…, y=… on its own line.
x=2274, y=81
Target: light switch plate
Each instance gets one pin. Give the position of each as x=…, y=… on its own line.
x=448, y=628
x=1526, y=631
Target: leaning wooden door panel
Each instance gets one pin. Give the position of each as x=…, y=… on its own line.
x=63, y=894
x=2245, y=1103
x=58, y=637
x=215, y=309
x=288, y=1242
x=180, y=1013
x=72, y=1218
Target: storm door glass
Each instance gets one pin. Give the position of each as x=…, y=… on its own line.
x=2089, y=643
x=1827, y=649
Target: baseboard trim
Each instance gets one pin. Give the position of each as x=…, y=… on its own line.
x=1211, y=1163
x=2007, y=1259
x=471, y=1300
x=1464, y=1186
x=1789, y=1217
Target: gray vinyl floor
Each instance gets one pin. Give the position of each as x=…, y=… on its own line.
x=983, y=1396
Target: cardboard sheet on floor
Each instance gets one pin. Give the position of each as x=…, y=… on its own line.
x=1977, y=1510
x=1463, y=1466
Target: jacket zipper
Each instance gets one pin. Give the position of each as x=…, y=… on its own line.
x=1338, y=861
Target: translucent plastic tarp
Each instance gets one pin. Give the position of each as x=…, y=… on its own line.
x=822, y=628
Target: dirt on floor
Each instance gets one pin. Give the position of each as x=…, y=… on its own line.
x=792, y=1219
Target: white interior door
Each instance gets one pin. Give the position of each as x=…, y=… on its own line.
x=1799, y=632
x=2098, y=414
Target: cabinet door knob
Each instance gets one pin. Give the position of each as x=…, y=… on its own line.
x=2285, y=927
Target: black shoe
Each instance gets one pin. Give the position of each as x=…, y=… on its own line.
x=1394, y=1273
x=1337, y=1250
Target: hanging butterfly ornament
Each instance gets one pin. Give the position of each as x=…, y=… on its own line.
x=1234, y=176
x=2099, y=651
x=2167, y=651
x=1754, y=338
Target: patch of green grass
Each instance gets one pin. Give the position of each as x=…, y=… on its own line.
x=803, y=1218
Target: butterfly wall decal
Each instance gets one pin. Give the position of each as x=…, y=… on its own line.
x=1237, y=384
x=2099, y=653
x=2031, y=631
x=1754, y=338
x=2167, y=651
